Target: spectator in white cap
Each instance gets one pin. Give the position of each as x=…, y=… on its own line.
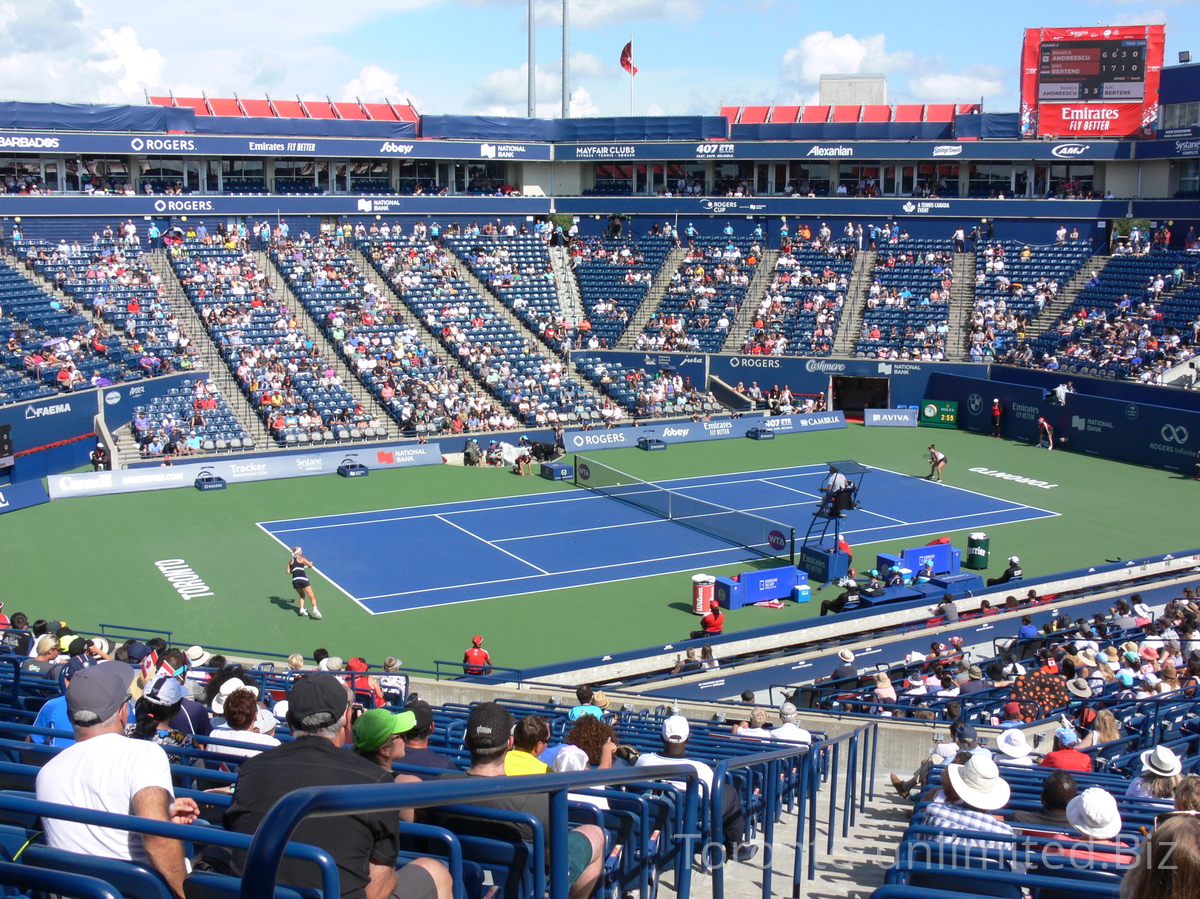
x=227, y=688
x=1014, y=748
x=1160, y=775
x=789, y=731
x=1094, y=814
x=675, y=735
x=973, y=790
x=1012, y=573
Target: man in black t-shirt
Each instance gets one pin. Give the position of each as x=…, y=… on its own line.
x=489, y=738
x=364, y=845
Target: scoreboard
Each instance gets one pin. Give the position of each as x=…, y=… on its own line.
x=1092, y=70
x=1091, y=82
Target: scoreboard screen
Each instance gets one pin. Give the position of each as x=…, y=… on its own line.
x=1079, y=71
x=1084, y=83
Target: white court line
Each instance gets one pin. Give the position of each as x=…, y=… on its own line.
x=336, y=586
x=491, y=544
x=589, y=530
x=1014, y=504
x=579, y=496
x=573, y=571
x=785, y=487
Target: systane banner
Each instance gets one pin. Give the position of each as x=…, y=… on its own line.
x=239, y=470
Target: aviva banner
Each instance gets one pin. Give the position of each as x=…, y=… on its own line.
x=890, y=418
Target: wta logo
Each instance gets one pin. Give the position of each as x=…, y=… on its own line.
x=584, y=471
x=776, y=540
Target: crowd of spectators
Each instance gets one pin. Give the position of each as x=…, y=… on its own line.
x=802, y=306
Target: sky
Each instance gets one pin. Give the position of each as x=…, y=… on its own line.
x=469, y=57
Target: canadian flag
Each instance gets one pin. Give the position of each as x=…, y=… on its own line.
x=627, y=59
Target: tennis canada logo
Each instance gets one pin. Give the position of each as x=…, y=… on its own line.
x=584, y=471
x=777, y=540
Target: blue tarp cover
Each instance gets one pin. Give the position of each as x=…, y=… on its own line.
x=82, y=117
x=597, y=130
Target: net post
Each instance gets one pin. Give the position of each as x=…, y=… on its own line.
x=792, y=550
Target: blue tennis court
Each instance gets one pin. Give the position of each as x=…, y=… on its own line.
x=396, y=559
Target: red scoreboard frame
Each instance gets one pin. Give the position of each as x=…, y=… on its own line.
x=1091, y=82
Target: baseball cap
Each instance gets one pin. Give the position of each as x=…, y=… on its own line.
x=265, y=721
x=676, y=729
x=164, y=689
x=137, y=651
x=1067, y=736
x=488, y=726
x=422, y=712
x=374, y=726
x=1013, y=559
x=95, y=694
x=320, y=697
x=476, y=640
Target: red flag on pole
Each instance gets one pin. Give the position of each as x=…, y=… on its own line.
x=627, y=59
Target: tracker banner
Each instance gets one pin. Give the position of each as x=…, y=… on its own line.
x=241, y=469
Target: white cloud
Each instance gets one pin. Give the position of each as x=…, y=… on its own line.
x=375, y=85
x=128, y=68
x=655, y=110
x=821, y=53
x=964, y=87
x=582, y=104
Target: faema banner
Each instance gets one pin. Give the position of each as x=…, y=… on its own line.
x=694, y=431
x=890, y=418
x=238, y=470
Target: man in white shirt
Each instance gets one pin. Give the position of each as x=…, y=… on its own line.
x=675, y=734
x=106, y=771
x=789, y=731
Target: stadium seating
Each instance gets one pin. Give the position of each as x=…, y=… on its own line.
x=1009, y=298
x=703, y=297
x=802, y=309
x=381, y=345
x=614, y=277
x=530, y=384
x=908, y=314
x=1119, y=326
x=298, y=395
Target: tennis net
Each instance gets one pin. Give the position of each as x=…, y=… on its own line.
x=768, y=538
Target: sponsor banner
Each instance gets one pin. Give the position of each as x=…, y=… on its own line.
x=240, y=145
x=687, y=365
x=41, y=422
x=22, y=495
x=1169, y=149
x=118, y=402
x=890, y=418
x=238, y=470
x=1090, y=120
x=694, y=431
x=830, y=150
x=272, y=206
x=1112, y=428
x=811, y=376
